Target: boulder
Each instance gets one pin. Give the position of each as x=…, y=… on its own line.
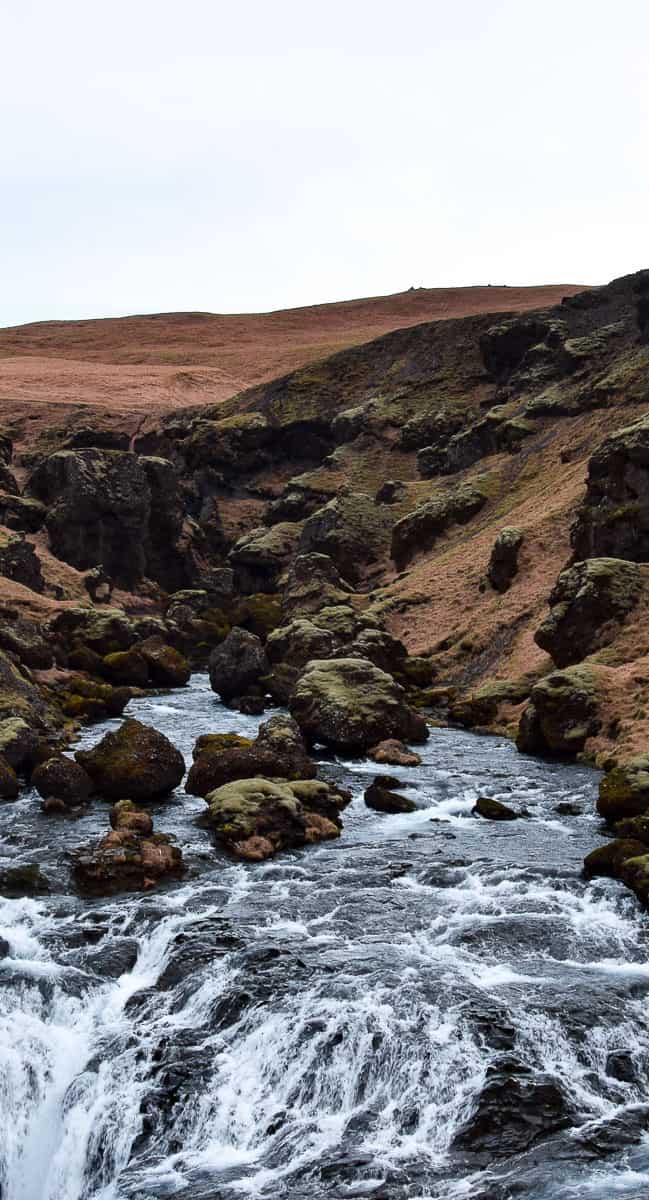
x=278, y=752
x=21, y=514
x=18, y=742
x=19, y=561
x=350, y=704
x=135, y=761
x=561, y=714
x=313, y=582
x=208, y=742
x=167, y=667
x=26, y=879
x=125, y=815
x=8, y=781
x=126, y=668
x=493, y=810
x=256, y=818
x=24, y=639
x=395, y=754
x=124, y=862
x=624, y=790
x=503, y=563
x=352, y=530
x=60, y=778
x=587, y=604
x=381, y=648
x=381, y=799
x=260, y=557
x=237, y=664
x=289, y=648
x=418, y=531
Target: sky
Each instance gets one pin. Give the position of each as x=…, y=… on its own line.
x=160, y=156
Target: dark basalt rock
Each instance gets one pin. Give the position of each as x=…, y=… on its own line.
x=124, y=861
x=23, y=880
x=24, y=639
x=352, y=530
x=349, y=704
x=98, y=585
x=126, y=668
x=61, y=778
x=493, y=810
x=561, y=715
x=8, y=781
x=278, y=752
x=503, y=563
x=613, y=520
x=624, y=790
x=19, y=561
x=237, y=664
x=135, y=761
x=587, y=604
x=504, y=346
x=260, y=557
x=515, y=1110
x=166, y=666
x=420, y=530
x=381, y=799
x=255, y=818
x=313, y=583
x=20, y=513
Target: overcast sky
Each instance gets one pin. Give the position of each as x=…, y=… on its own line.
x=244, y=156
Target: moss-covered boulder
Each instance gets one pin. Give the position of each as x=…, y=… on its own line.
x=290, y=648
x=126, y=668
x=352, y=529
x=503, y=562
x=167, y=667
x=587, y=604
x=624, y=790
x=19, y=561
x=561, y=715
x=86, y=699
x=217, y=742
x=18, y=742
x=260, y=557
x=418, y=531
x=237, y=664
x=313, y=582
x=350, y=704
x=135, y=761
x=61, y=779
x=8, y=781
x=278, y=752
x=256, y=818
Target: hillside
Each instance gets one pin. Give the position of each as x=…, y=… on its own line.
x=124, y=370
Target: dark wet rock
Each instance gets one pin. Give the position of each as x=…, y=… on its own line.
x=260, y=557
x=313, y=582
x=26, y=879
x=419, y=531
x=21, y=514
x=167, y=667
x=624, y=790
x=123, y=861
x=256, y=818
x=634, y=827
x=278, y=752
x=8, y=781
x=514, y=1111
x=587, y=604
x=252, y=706
x=19, y=561
x=607, y=860
x=25, y=713
x=126, y=668
x=349, y=704
x=394, y=753
x=566, y=808
x=614, y=517
x=352, y=530
x=493, y=810
x=382, y=799
x=217, y=742
x=503, y=563
x=98, y=585
x=135, y=761
x=238, y=663
x=63, y=779
x=561, y=715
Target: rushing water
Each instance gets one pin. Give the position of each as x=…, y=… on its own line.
x=433, y=1006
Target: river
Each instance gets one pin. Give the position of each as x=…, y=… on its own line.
x=433, y=1007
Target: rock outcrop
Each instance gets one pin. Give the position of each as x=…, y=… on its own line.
x=419, y=531
x=561, y=714
x=352, y=530
x=613, y=520
x=587, y=603
x=503, y=562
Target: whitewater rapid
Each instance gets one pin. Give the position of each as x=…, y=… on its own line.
x=351, y=1020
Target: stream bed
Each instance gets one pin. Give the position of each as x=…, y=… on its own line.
x=432, y=1007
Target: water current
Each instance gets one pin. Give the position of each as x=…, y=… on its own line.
x=434, y=1006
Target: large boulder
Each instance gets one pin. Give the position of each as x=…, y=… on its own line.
x=20, y=513
x=135, y=761
x=278, y=752
x=313, y=582
x=61, y=779
x=353, y=530
x=237, y=664
x=19, y=561
x=255, y=818
x=167, y=666
x=419, y=530
x=290, y=648
x=587, y=603
x=350, y=704
x=260, y=557
x=24, y=639
x=614, y=517
x=624, y=790
x=25, y=713
x=561, y=715
x=503, y=563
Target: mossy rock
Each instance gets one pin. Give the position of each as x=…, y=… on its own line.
x=135, y=761
x=127, y=668
x=8, y=781
x=350, y=704
x=258, y=614
x=587, y=602
x=167, y=667
x=215, y=742
x=561, y=715
x=624, y=791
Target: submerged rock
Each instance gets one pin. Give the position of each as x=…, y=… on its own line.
x=350, y=704
x=135, y=761
x=382, y=799
x=26, y=879
x=493, y=810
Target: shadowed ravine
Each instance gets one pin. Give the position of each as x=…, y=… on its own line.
x=433, y=1006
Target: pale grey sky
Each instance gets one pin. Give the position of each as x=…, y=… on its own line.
x=158, y=155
